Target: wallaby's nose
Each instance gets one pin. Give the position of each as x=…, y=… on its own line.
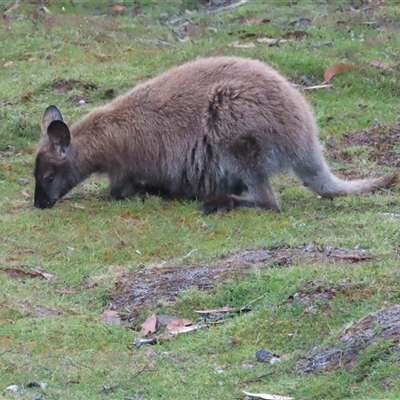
x=41, y=200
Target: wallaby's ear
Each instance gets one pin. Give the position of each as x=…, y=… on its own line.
x=52, y=113
x=60, y=136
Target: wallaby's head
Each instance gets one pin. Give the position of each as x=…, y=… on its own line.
x=54, y=174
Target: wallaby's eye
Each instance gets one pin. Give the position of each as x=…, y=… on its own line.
x=48, y=180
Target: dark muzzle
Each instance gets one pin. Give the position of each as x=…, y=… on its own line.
x=41, y=200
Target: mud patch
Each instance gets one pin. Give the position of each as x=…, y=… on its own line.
x=49, y=312
x=27, y=307
x=162, y=284
x=317, y=291
x=368, y=331
x=314, y=291
x=381, y=143
x=66, y=85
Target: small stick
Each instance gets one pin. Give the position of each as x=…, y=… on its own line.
x=256, y=379
x=253, y=301
x=317, y=87
x=136, y=374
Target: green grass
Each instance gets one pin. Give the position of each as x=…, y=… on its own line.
x=60, y=339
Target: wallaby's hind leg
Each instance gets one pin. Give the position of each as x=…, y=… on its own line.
x=247, y=157
x=261, y=195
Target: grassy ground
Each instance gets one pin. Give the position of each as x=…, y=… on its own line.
x=65, y=52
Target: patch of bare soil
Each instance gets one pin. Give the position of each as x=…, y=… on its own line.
x=381, y=142
x=66, y=85
x=369, y=330
x=155, y=284
x=318, y=290
x=26, y=306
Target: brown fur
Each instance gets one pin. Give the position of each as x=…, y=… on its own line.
x=209, y=129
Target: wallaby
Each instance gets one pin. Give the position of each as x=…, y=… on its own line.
x=209, y=129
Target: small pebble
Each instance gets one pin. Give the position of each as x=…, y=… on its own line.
x=23, y=182
x=263, y=355
x=274, y=360
x=32, y=384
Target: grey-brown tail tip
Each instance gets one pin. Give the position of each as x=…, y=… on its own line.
x=370, y=185
x=386, y=181
x=334, y=186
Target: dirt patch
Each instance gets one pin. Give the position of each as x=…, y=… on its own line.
x=381, y=143
x=66, y=85
x=27, y=307
x=315, y=290
x=368, y=331
x=49, y=312
x=160, y=283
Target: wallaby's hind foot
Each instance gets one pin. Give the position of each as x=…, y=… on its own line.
x=227, y=202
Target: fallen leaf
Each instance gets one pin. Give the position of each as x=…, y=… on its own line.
x=179, y=322
x=247, y=45
x=66, y=290
x=267, y=396
x=16, y=273
x=102, y=57
x=108, y=313
x=111, y=317
x=218, y=310
x=381, y=65
x=150, y=325
x=335, y=69
x=118, y=7
x=8, y=64
x=32, y=59
x=26, y=194
x=27, y=270
x=298, y=35
x=35, y=13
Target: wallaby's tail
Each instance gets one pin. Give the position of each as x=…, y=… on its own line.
x=335, y=186
x=316, y=176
